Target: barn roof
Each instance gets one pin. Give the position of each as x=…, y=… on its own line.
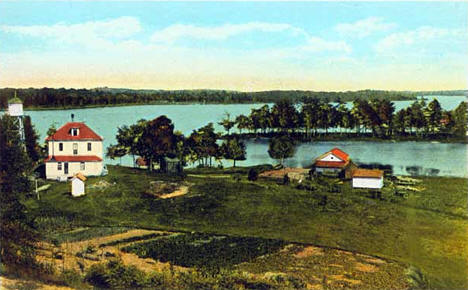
x=368, y=173
x=340, y=154
x=64, y=133
x=337, y=152
x=73, y=158
x=80, y=176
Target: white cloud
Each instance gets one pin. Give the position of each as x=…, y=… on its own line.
x=87, y=33
x=175, y=32
x=315, y=44
x=418, y=36
x=364, y=27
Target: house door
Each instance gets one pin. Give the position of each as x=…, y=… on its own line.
x=65, y=168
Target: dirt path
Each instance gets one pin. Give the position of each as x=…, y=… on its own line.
x=13, y=283
x=181, y=191
x=73, y=255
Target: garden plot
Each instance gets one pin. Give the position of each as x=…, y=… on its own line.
x=204, y=250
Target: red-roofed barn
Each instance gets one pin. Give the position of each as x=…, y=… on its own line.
x=74, y=148
x=334, y=162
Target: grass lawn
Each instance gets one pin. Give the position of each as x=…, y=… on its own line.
x=428, y=230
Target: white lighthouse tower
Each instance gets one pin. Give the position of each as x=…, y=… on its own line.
x=15, y=110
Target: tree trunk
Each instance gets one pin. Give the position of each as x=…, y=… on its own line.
x=234, y=162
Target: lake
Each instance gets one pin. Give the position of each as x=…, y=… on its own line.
x=419, y=157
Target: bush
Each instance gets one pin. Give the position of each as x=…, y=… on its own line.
x=72, y=279
x=252, y=175
x=97, y=276
x=286, y=179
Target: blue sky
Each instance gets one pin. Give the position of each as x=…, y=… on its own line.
x=235, y=45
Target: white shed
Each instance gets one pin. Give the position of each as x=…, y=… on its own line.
x=368, y=178
x=78, y=185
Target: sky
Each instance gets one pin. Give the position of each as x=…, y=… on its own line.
x=245, y=46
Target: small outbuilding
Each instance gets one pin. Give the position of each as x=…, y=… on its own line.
x=368, y=178
x=171, y=165
x=78, y=185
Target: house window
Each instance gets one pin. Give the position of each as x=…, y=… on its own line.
x=89, y=146
x=74, y=132
x=59, y=166
x=60, y=146
x=82, y=166
x=75, y=148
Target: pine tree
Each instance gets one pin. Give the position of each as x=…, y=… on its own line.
x=31, y=137
x=17, y=237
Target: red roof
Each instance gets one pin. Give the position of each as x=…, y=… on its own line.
x=369, y=173
x=84, y=133
x=340, y=154
x=331, y=164
x=72, y=158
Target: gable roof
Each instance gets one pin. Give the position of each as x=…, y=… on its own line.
x=340, y=154
x=337, y=152
x=368, y=173
x=80, y=176
x=85, y=133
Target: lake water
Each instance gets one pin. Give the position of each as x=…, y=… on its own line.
x=425, y=157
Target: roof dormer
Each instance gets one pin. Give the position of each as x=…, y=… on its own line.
x=74, y=131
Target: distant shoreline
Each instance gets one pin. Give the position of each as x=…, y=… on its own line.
x=42, y=108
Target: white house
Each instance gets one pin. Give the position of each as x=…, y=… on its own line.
x=74, y=148
x=368, y=178
x=78, y=185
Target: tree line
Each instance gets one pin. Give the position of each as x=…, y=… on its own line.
x=375, y=117
x=156, y=139
x=67, y=98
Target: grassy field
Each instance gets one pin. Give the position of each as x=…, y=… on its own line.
x=427, y=230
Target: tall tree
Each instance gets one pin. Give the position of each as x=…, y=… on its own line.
x=116, y=151
x=17, y=237
x=243, y=122
x=281, y=148
x=460, y=118
x=157, y=141
x=227, y=123
x=433, y=114
x=285, y=116
x=31, y=138
x=203, y=144
x=399, y=122
x=233, y=149
x=128, y=138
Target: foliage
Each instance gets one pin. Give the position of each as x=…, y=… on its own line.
x=157, y=141
x=17, y=237
x=281, y=148
x=374, y=117
x=252, y=175
x=31, y=137
x=67, y=98
x=205, y=251
x=233, y=149
x=202, y=145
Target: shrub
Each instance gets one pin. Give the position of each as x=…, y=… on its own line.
x=252, y=175
x=286, y=180
x=97, y=276
x=72, y=279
